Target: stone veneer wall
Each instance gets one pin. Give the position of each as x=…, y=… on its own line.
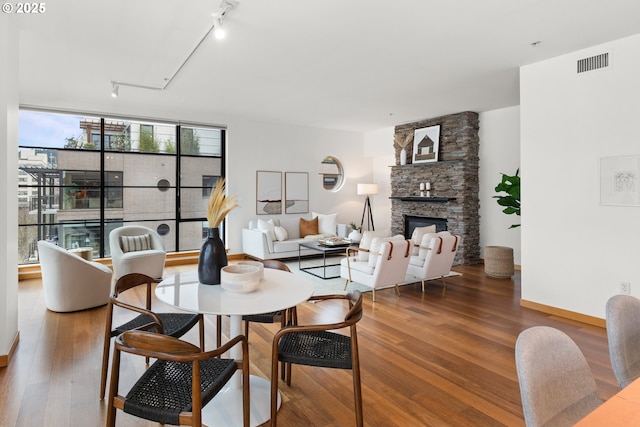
x=455, y=174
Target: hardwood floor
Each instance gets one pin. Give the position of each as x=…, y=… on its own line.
x=426, y=360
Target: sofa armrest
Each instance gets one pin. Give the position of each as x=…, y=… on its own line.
x=255, y=243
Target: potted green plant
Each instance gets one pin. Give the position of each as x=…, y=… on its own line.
x=355, y=236
x=509, y=194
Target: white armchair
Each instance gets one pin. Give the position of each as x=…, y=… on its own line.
x=136, y=249
x=71, y=283
x=383, y=265
x=435, y=257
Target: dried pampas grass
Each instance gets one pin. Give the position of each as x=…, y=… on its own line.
x=219, y=204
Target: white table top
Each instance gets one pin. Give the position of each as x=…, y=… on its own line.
x=278, y=290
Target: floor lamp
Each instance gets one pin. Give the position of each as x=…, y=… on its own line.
x=367, y=190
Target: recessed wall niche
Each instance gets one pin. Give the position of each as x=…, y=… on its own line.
x=453, y=176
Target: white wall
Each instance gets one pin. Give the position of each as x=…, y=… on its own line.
x=499, y=153
x=379, y=152
x=575, y=251
x=8, y=189
x=255, y=146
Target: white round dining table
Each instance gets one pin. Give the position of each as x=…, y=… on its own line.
x=278, y=290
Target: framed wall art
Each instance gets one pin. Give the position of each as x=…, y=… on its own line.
x=619, y=184
x=296, y=192
x=426, y=143
x=268, y=193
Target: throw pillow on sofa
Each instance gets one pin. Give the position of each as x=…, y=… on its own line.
x=281, y=233
x=327, y=223
x=308, y=227
x=269, y=227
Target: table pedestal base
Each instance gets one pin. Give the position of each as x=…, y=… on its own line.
x=225, y=409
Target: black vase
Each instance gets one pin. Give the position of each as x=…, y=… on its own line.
x=213, y=257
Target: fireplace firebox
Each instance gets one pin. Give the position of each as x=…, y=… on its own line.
x=411, y=222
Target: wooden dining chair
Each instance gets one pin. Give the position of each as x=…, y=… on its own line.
x=317, y=345
x=172, y=324
x=180, y=382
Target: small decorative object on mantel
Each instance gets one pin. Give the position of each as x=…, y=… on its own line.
x=213, y=255
x=402, y=143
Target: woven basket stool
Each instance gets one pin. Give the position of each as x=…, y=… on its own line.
x=498, y=262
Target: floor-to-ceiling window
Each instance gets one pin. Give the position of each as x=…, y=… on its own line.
x=82, y=176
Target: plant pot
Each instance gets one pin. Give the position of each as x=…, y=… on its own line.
x=355, y=236
x=213, y=256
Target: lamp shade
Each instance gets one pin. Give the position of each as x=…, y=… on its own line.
x=367, y=189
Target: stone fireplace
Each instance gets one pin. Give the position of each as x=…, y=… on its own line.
x=453, y=200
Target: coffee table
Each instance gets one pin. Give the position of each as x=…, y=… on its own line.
x=325, y=250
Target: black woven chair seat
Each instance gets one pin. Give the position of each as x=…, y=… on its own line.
x=262, y=317
x=164, y=390
x=174, y=324
x=316, y=348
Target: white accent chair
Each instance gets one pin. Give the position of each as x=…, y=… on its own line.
x=136, y=249
x=70, y=282
x=434, y=260
x=384, y=266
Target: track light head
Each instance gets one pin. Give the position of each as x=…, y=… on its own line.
x=114, y=90
x=218, y=31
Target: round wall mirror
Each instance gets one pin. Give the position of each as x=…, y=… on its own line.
x=332, y=174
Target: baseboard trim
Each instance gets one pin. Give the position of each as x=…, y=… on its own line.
x=6, y=358
x=572, y=315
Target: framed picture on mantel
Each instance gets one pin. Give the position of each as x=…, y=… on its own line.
x=426, y=144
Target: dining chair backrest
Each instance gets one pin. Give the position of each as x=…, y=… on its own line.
x=182, y=380
x=623, y=333
x=556, y=384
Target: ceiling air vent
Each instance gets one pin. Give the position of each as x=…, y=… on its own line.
x=593, y=63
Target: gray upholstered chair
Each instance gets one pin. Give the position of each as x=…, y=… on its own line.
x=71, y=283
x=136, y=249
x=623, y=331
x=556, y=383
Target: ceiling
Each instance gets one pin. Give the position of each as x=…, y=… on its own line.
x=357, y=65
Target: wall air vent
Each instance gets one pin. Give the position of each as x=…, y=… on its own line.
x=593, y=63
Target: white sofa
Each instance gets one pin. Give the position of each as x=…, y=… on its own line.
x=259, y=241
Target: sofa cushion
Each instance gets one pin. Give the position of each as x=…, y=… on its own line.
x=416, y=237
x=355, y=265
x=281, y=233
x=269, y=227
x=308, y=227
x=135, y=243
x=327, y=223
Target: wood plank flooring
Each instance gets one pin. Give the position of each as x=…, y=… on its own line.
x=426, y=360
